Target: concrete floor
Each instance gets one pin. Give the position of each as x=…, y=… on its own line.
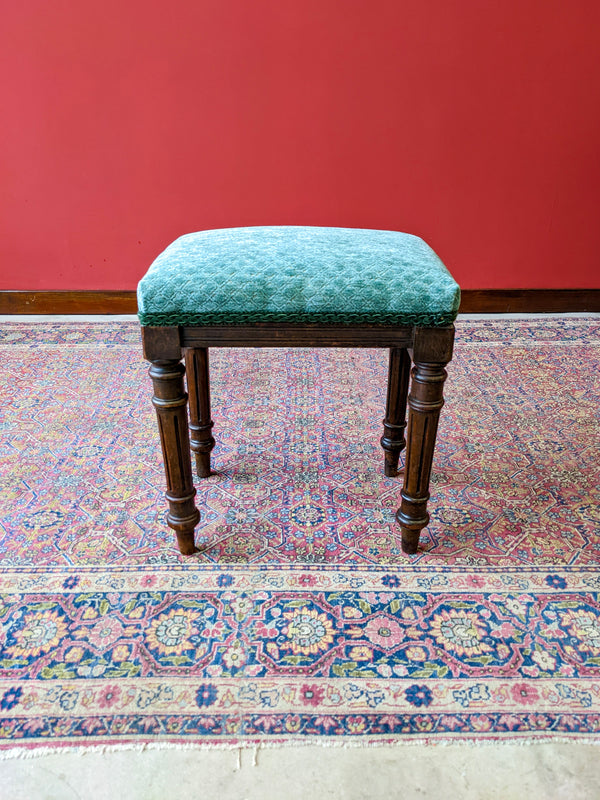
x=465, y=772
x=548, y=771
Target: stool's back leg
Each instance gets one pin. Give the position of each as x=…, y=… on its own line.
x=393, y=441
x=170, y=402
x=198, y=382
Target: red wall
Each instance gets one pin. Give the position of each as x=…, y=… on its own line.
x=473, y=123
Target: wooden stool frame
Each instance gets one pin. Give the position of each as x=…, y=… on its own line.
x=429, y=350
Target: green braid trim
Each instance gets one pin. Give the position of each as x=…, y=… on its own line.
x=424, y=320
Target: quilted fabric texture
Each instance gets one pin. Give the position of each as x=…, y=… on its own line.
x=292, y=274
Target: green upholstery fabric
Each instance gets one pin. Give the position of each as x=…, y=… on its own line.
x=337, y=276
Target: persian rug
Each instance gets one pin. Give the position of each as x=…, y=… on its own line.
x=300, y=619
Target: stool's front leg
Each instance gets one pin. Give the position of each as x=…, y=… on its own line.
x=425, y=402
x=393, y=441
x=198, y=382
x=170, y=401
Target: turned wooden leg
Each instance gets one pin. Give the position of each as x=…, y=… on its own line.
x=170, y=401
x=432, y=350
x=393, y=441
x=424, y=402
x=198, y=382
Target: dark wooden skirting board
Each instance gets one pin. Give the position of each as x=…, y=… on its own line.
x=474, y=301
x=529, y=301
x=88, y=302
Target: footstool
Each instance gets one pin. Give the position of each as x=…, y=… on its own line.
x=288, y=286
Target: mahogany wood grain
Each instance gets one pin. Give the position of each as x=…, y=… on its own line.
x=68, y=302
x=301, y=335
x=161, y=344
x=198, y=383
x=425, y=402
x=170, y=402
x=393, y=440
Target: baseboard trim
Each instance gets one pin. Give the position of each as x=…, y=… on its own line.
x=474, y=301
x=68, y=302
x=529, y=301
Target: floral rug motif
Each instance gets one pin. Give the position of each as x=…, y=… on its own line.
x=300, y=619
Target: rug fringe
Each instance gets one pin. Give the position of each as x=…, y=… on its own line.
x=141, y=747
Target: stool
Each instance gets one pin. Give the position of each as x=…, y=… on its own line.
x=288, y=286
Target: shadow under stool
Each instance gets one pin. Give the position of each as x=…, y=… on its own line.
x=292, y=286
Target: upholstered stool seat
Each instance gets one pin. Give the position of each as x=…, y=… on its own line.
x=332, y=276
x=297, y=286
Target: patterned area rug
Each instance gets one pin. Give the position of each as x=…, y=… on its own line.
x=300, y=620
